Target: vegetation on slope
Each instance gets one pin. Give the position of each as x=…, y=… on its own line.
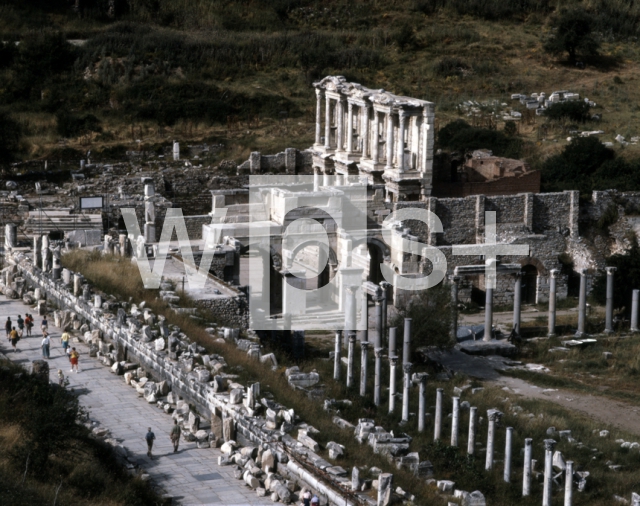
x=48, y=457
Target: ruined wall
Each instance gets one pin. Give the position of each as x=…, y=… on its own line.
x=529, y=182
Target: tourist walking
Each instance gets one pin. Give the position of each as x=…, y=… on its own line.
x=150, y=437
x=7, y=326
x=20, y=323
x=46, y=344
x=306, y=498
x=14, y=338
x=28, y=322
x=45, y=324
x=175, y=435
x=73, y=357
x=64, y=341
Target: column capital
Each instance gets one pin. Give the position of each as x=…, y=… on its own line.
x=422, y=377
x=319, y=93
x=402, y=114
x=352, y=337
x=549, y=444
x=353, y=288
x=494, y=415
x=583, y=272
x=440, y=390
x=517, y=275
x=384, y=285
x=554, y=273
x=393, y=360
x=406, y=368
x=528, y=441
x=365, y=345
x=455, y=278
x=378, y=352
x=339, y=332
x=610, y=270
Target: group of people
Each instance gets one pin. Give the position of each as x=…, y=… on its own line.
x=14, y=335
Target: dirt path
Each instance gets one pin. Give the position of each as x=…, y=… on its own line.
x=622, y=415
x=616, y=413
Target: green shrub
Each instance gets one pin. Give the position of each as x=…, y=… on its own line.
x=72, y=125
x=90, y=478
x=572, y=111
x=460, y=136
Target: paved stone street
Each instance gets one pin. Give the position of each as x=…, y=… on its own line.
x=191, y=476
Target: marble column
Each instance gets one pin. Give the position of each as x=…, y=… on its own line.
x=319, y=97
x=427, y=140
x=97, y=301
x=350, y=310
x=635, y=305
x=349, y=128
x=378, y=301
x=337, y=360
x=77, y=285
x=45, y=253
x=389, y=146
x=365, y=131
x=582, y=304
x=526, y=475
x=455, y=421
x=437, y=426
x=406, y=368
x=10, y=236
x=37, y=250
x=568, y=483
x=376, y=137
x=393, y=364
x=317, y=178
x=364, y=358
x=406, y=344
x=327, y=122
x=377, y=394
x=471, y=441
x=493, y=415
x=392, y=341
x=385, y=303
x=608, y=325
x=488, y=315
x=553, y=279
x=422, y=401
x=454, y=308
x=517, y=302
x=507, y=455
x=350, y=358
x=402, y=116
x=326, y=179
x=549, y=445
x=340, y=136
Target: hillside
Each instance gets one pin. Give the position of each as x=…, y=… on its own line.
x=239, y=73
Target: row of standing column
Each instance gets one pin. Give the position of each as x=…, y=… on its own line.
x=370, y=140
x=494, y=416
x=582, y=305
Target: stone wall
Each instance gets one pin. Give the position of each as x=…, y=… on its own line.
x=233, y=311
x=290, y=161
x=529, y=182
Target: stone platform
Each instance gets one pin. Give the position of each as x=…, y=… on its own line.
x=484, y=348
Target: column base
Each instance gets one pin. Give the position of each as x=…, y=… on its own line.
x=580, y=334
x=551, y=335
x=609, y=331
x=634, y=330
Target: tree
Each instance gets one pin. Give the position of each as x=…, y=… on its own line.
x=574, y=166
x=625, y=279
x=431, y=314
x=573, y=34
